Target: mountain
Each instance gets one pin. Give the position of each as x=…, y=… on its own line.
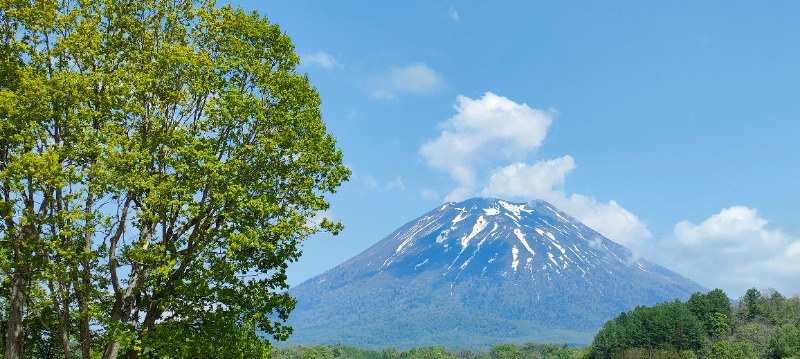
x=479, y=272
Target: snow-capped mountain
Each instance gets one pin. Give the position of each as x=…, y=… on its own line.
x=476, y=273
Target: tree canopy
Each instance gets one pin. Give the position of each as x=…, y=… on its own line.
x=160, y=163
x=707, y=326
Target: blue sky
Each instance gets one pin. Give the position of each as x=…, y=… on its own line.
x=670, y=127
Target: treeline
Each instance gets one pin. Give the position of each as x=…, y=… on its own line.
x=759, y=325
x=500, y=351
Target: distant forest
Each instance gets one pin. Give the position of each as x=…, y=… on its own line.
x=759, y=325
x=544, y=351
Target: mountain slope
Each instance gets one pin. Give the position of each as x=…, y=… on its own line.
x=478, y=272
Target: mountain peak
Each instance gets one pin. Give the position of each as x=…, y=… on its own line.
x=493, y=235
x=483, y=260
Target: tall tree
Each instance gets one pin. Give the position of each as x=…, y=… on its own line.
x=714, y=309
x=160, y=162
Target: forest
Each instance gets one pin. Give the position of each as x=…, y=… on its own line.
x=530, y=350
x=758, y=325
x=707, y=325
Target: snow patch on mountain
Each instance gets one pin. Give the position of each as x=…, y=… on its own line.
x=421, y=264
x=493, y=211
x=442, y=236
x=514, y=208
x=521, y=237
x=483, y=259
x=480, y=224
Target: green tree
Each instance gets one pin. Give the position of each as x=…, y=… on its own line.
x=390, y=353
x=428, y=353
x=785, y=343
x=752, y=303
x=775, y=307
x=160, y=162
x=718, y=325
x=725, y=350
x=714, y=309
x=505, y=351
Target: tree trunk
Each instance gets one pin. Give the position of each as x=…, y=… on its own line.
x=125, y=301
x=62, y=309
x=86, y=284
x=15, y=335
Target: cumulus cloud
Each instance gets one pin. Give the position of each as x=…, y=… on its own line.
x=735, y=249
x=321, y=59
x=495, y=130
x=485, y=130
x=545, y=180
x=609, y=219
x=539, y=180
x=414, y=79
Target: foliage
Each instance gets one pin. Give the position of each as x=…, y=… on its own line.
x=714, y=309
x=160, y=162
x=785, y=342
x=760, y=325
x=662, y=326
x=505, y=351
x=724, y=350
x=501, y=351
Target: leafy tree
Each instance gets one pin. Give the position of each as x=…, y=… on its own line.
x=784, y=343
x=718, y=325
x=427, y=353
x=389, y=353
x=160, y=162
x=775, y=307
x=663, y=326
x=725, y=350
x=464, y=354
x=753, y=303
x=505, y=351
x=714, y=309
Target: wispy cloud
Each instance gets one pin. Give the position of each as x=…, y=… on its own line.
x=414, y=79
x=495, y=130
x=454, y=14
x=320, y=58
x=369, y=181
x=429, y=194
x=396, y=184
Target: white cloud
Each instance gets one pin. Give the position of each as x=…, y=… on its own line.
x=369, y=181
x=454, y=14
x=540, y=180
x=609, y=219
x=414, y=79
x=545, y=180
x=428, y=193
x=486, y=149
x=735, y=249
x=483, y=131
x=494, y=129
x=321, y=59
x=396, y=183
